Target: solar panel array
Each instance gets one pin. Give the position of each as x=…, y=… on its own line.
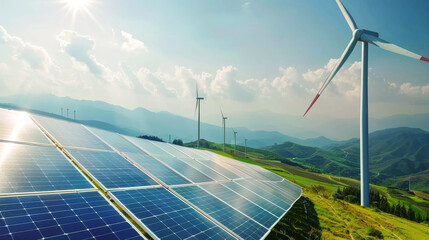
x=50, y=170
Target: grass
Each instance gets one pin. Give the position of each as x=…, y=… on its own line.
x=327, y=218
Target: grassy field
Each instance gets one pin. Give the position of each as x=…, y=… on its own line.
x=327, y=218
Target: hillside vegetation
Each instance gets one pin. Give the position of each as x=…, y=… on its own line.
x=396, y=155
x=317, y=215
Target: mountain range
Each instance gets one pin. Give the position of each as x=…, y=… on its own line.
x=165, y=125
x=397, y=155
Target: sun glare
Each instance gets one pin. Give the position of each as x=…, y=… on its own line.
x=77, y=5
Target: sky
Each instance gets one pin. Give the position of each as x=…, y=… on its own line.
x=245, y=56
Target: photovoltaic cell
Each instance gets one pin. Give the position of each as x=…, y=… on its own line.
x=158, y=169
x=18, y=126
x=167, y=216
x=111, y=169
x=241, y=225
x=148, y=146
x=29, y=168
x=116, y=141
x=204, y=169
x=193, y=153
x=260, y=201
x=288, y=188
x=170, y=149
x=242, y=204
x=184, y=169
x=220, y=169
x=70, y=134
x=265, y=193
x=275, y=191
x=62, y=216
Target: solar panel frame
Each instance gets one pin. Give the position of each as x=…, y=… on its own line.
x=53, y=165
x=157, y=206
x=96, y=175
x=79, y=214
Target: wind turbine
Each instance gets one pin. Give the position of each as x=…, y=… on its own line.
x=245, y=147
x=365, y=36
x=198, y=106
x=223, y=123
x=235, y=140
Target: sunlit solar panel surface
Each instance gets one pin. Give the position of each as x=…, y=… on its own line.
x=171, y=192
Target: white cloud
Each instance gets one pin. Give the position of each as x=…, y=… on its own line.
x=414, y=91
x=131, y=44
x=318, y=74
x=283, y=83
x=79, y=47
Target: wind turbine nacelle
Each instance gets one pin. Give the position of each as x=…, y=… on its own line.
x=359, y=32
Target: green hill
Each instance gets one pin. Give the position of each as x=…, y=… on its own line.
x=395, y=155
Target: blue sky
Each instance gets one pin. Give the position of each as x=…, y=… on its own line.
x=247, y=56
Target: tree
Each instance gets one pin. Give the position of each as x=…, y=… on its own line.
x=178, y=142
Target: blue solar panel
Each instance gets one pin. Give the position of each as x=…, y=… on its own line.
x=116, y=141
x=288, y=188
x=170, y=149
x=29, y=168
x=18, y=126
x=184, y=169
x=62, y=216
x=260, y=201
x=148, y=146
x=241, y=225
x=266, y=193
x=157, y=169
x=193, y=153
x=168, y=217
x=220, y=169
x=70, y=134
x=204, y=169
x=242, y=204
x=279, y=192
x=111, y=169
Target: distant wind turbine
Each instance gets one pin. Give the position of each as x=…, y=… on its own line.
x=365, y=36
x=224, y=124
x=198, y=106
x=235, y=140
x=245, y=147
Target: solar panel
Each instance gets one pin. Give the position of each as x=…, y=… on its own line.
x=62, y=216
x=116, y=141
x=238, y=223
x=288, y=188
x=18, y=126
x=265, y=193
x=111, y=169
x=184, y=169
x=259, y=200
x=269, y=187
x=220, y=169
x=157, y=169
x=148, y=146
x=170, y=149
x=193, y=153
x=168, y=217
x=29, y=168
x=204, y=169
x=242, y=204
x=70, y=134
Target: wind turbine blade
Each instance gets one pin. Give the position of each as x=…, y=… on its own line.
x=222, y=113
x=196, y=87
x=390, y=47
x=347, y=16
x=334, y=71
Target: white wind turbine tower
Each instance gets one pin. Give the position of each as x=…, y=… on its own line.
x=235, y=140
x=224, y=124
x=365, y=37
x=198, y=106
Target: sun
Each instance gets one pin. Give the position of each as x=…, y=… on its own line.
x=77, y=5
